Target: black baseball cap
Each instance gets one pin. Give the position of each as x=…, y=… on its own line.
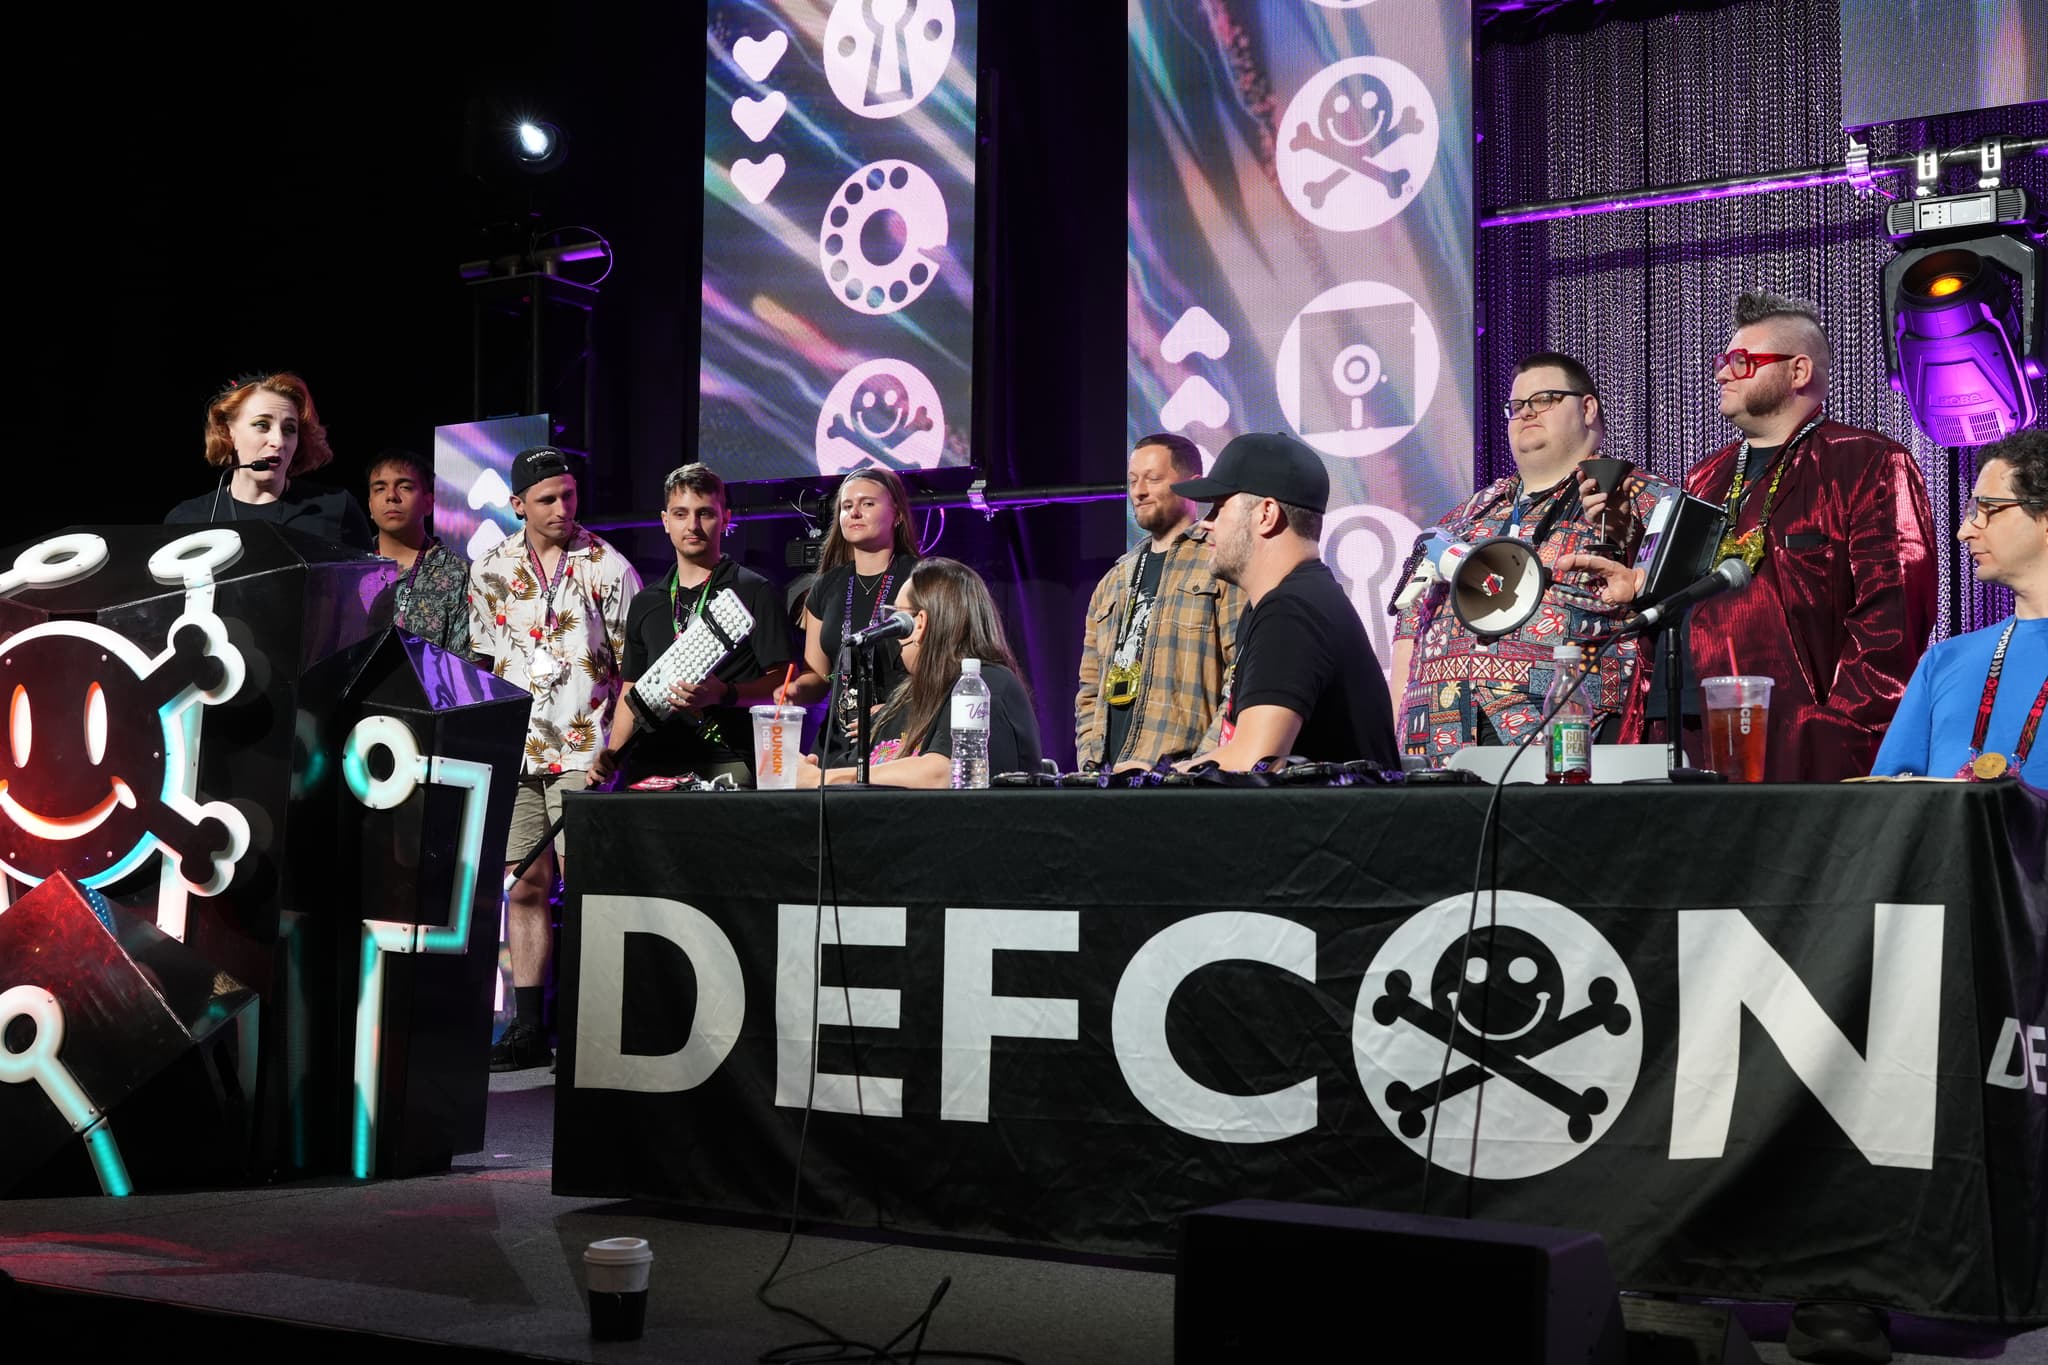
x=535, y=463
x=1267, y=464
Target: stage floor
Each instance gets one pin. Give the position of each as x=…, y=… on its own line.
x=486, y=1258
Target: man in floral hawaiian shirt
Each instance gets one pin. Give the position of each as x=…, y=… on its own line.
x=547, y=610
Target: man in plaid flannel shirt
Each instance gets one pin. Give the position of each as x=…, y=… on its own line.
x=1458, y=691
x=1161, y=628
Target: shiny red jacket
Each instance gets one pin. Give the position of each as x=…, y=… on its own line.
x=1840, y=609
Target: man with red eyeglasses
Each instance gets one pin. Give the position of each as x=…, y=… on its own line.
x=1834, y=525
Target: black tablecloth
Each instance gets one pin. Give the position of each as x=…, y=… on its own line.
x=1774, y=1041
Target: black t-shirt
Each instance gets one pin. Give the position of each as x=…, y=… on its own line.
x=1150, y=567
x=312, y=508
x=1012, y=725
x=722, y=734
x=871, y=603
x=1304, y=648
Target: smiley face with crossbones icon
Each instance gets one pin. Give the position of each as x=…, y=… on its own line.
x=1498, y=1001
x=1362, y=123
x=881, y=413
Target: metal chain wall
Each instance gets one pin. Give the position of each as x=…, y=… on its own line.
x=1644, y=297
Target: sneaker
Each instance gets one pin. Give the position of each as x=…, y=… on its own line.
x=521, y=1047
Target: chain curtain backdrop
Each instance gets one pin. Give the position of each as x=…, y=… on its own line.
x=1644, y=297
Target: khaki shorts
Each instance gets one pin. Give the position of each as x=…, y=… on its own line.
x=537, y=805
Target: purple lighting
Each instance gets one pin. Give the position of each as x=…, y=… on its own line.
x=1956, y=331
x=1694, y=193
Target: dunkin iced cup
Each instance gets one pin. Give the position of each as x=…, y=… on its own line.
x=1737, y=708
x=778, y=741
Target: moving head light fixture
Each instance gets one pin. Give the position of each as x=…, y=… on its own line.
x=1963, y=320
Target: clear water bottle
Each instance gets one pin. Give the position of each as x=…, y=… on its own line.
x=1568, y=738
x=970, y=727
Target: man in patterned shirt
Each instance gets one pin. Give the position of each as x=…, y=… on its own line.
x=431, y=597
x=1456, y=690
x=1161, y=628
x=547, y=610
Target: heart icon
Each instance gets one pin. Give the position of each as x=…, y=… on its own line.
x=489, y=490
x=758, y=56
x=755, y=179
x=486, y=538
x=757, y=118
x=1196, y=400
x=1197, y=333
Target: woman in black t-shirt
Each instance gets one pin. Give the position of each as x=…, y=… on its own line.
x=868, y=554
x=956, y=619
x=270, y=420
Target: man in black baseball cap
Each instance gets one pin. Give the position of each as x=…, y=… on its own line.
x=538, y=463
x=1306, y=682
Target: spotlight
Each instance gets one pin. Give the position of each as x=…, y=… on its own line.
x=538, y=145
x=1962, y=314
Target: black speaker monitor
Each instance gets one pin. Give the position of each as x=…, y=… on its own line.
x=1259, y=1280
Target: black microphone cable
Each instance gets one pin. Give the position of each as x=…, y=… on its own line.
x=834, y=1346
x=1489, y=835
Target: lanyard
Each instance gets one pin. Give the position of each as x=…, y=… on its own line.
x=2033, y=725
x=403, y=597
x=1749, y=547
x=1519, y=513
x=846, y=626
x=675, y=605
x=1131, y=601
x=562, y=571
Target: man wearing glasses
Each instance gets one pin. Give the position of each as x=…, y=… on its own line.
x=1973, y=709
x=1834, y=526
x=1458, y=692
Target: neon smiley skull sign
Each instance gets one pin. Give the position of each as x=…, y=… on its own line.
x=99, y=740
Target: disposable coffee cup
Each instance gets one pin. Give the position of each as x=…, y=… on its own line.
x=1737, y=708
x=778, y=740
x=615, y=1273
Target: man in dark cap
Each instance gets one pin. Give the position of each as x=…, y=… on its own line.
x=1305, y=681
x=547, y=610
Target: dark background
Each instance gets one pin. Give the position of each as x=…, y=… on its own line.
x=300, y=191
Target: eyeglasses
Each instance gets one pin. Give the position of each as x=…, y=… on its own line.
x=1741, y=364
x=1980, y=511
x=1540, y=402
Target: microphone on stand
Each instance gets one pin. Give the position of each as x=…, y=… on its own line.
x=897, y=626
x=1731, y=574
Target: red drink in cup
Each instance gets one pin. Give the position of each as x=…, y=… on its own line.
x=1737, y=709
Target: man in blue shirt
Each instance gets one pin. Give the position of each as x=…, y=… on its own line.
x=1974, y=706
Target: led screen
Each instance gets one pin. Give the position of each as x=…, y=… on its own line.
x=1910, y=61
x=1300, y=251
x=838, y=291
x=472, y=498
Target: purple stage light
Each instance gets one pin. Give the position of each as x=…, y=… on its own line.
x=1962, y=357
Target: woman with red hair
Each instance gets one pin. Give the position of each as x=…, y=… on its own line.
x=262, y=433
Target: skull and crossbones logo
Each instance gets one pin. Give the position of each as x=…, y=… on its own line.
x=881, y=413
x=94, y=770
x=1537, y=1002
x=1498, y=1001
x=881, y=419
x=1359, y=141
x=1355, y=124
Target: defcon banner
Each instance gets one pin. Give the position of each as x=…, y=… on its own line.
x=1011, y=1026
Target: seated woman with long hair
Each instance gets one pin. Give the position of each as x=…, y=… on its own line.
x=956, y=619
